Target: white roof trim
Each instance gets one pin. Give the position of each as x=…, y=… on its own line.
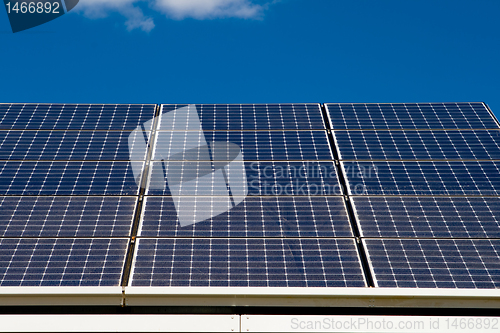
x=251, y=296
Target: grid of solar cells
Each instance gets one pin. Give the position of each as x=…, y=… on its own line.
x=291, y=216
x=418, y=145
x=423, y=178
x=435, y=263
x=411, y=116
x=64, y=172
x=255, y=116
x=288, y=223
x=262, y=145
x=70, y=145
x=61, y=262
x=285, y=216
x=263, y=178
x=431, y=152
x=75, y=116
x=251, y=262
x=68, y=178
x=428, y=217
x=66, y=216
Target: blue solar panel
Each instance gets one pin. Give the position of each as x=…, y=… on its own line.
x=418, y=145
x=254, y=217
x=68, y=178
x=250, y=262
x=430, y=263
x=75, y=216
x=411, y=116
x=261, y=145
x=428, y=217
x=70, y=145
x=75, y=116
x=255, y=116
x=274, y=215
x=263, y=178
x=61, y=262
x=423, y=178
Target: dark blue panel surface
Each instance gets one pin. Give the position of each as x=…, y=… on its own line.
x=418, y=145
x=423, y=178
x=263, y=178
x=256, y=116
x=70, y=145
x=247, y=263
x=68, y=178
x=254, y=217
x=441, y=263
x=66, y=216
x=75, y=116
x=411, y=116
x=262, y=145
x=428, y=217
x=61, y=262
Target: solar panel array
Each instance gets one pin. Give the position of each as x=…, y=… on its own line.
x=91, y=193
x=291, y=230
x=67, y=192
x=424, y=183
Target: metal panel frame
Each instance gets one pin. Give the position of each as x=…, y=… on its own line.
x=69, y=296
x=312, y=297
x=250, y=296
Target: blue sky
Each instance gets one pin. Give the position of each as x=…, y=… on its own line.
x=243, y=51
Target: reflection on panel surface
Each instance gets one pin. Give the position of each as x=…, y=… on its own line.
x=435, y=263
x=61, y=262
x=250, y=262
x=285, y=216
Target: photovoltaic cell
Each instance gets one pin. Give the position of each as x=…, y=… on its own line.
x=75, y=116
x=435, y=263
x=66, y=216
x=428, y=217
x=411, y=116
x=260, y=145
x=418, y=145
x=255, y=116
x=263, y=178
x=423, y=178
x=70, y=145
x=285, y=216
x=61, y=262
x=68, y=178
x=272, y=262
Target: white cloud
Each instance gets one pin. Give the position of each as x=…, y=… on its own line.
x=136, y=19
x=202, y=9
x=176, y=9
x=134, y=15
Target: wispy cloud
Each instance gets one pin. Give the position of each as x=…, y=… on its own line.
x=203, y=9
x=128, y=8
x=176, y=9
